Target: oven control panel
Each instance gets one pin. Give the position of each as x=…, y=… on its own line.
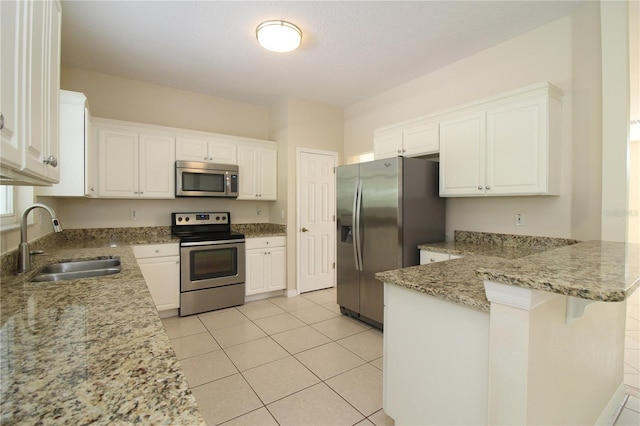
x=206, y=218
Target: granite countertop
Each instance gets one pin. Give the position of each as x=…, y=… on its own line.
x=256, y=230
x=592, y=270
x=90, y=350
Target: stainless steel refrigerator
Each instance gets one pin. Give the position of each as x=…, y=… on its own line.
x=385, y=209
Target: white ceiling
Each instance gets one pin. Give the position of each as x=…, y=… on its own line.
x=350, y=50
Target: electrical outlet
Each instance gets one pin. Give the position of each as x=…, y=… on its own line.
x=134, y=215
x=519, y=219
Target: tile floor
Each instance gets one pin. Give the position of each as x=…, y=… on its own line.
x=286, y=361
x=298, y=361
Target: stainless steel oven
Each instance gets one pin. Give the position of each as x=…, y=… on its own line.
x=212, y=262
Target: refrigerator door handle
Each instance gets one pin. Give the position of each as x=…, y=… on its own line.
x=354, y=225
x=357, y=213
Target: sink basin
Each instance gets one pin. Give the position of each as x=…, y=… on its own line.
x=78, y=269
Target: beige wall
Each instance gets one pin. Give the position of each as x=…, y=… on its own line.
x=566, y=53
x=131, y=100
x=297, y=124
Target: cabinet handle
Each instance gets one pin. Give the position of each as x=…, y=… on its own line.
x=91, y=189
x=1, y=121
x=51, y=160
x=480, y=188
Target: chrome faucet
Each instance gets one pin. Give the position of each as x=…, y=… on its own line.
x=24, y=254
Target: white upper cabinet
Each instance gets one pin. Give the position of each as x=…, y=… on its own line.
x=30, y=82
x=509, y=146
x=132, y=164
x=408, y=140
x=462, y=153
x=258, y=170
x=211, y=150
x=78, y=159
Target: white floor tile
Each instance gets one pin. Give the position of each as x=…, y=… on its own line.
x=628, y=418
x=225, y=399
x=182, y=326
x=378, y=363
x=195, y=344
x=380, y=418
x=222, y=319
x=236, y=334
x=361, y=387
x=292, y=303
x=320, y=297
x=317, y=405
x=313, y=314
x=280, y=378
x=260, y=309
x=300, y=339
x=367, y=345
x=329, y=360
x=339, y=327
x=279, y=323
x=259, y=417
x=207, y=368
x=254, y=353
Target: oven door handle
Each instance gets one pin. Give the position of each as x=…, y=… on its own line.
x=210, y=243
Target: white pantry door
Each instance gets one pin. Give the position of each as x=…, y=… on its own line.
x=316, y=219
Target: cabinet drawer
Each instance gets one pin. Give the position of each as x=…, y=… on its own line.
x=263, y=242
x=156, y=250
x=427, y=257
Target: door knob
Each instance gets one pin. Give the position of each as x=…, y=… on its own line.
x=304, y=229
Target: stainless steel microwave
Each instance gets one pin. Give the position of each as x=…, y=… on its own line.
x=199, y=179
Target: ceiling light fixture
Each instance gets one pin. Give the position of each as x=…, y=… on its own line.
x=278, y=36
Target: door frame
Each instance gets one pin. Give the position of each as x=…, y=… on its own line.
x=299, y=152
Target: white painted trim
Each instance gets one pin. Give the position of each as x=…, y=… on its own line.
x=576, y=308
x=333, y=154
x=517, y=297
x=611, y=410
x=291, y=293
x=267, y=295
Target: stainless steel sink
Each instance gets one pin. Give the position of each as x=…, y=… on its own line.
x=78, y=269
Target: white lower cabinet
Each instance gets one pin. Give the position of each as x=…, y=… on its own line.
x=160, y=267
x=266, y=264
x=427, y=256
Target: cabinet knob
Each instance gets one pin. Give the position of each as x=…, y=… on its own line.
x=404, y=150
x=210, y=158
x=1, y=121
x=487, y=187
x=141, y=192
x=304, y=230
x=204, y=158
x=399, y=151
x=51, y=160
x=157, y=250
x=91, y=189
x=432, y=259
x=480, y=188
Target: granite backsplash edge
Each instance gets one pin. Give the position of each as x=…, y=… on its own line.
x=101, y=237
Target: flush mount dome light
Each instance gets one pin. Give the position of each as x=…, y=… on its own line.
x=278, y=36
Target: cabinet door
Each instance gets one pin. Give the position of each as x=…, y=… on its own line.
x=248, y=169
x=117, y=164
x=11, y=86
x=192, y=149
x=256, y=271
x=277, y=268
x=517, y=148
x=268, y=174
x=162, y=275
x=52, y=88
x=35, y=146
x=387, y=144
x=157, y=166
x=420, y=140
x=223, y=152
x=462, y=155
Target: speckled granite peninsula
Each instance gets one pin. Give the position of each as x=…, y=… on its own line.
x=591, y=270
x=525, y=330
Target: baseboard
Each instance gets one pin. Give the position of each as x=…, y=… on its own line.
x=291, y=293
x=168, y=313
x=613, y=407
x=261, y=296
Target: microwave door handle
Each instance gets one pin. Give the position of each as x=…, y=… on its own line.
x=228, y=180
